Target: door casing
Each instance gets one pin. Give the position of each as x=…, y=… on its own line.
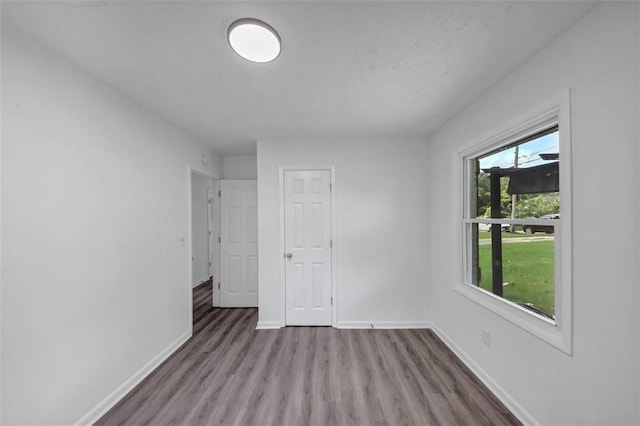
x=334, y=239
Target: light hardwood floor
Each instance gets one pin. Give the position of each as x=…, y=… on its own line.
x=230, y=373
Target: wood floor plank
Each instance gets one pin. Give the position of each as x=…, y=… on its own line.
x=230, y=373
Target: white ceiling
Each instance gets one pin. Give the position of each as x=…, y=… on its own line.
x=347, y=68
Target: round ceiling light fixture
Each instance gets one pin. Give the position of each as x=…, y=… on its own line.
x=254, y=40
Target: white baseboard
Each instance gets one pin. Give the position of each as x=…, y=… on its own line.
x=198, y=283
x=384, y=324
x=494, y=387
x=99, y=410
x=268, y=325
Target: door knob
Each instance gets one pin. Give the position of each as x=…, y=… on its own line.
x=289, y=255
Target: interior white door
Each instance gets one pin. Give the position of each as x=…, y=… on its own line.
x=307, y=211
x=217, y=238
x=239, y=244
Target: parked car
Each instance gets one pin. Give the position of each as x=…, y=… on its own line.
x=504, y=227
x=548, y=229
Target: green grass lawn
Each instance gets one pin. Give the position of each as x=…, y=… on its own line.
x=528, y=268
x=487, y=234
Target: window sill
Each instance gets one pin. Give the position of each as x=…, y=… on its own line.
x=542, y=328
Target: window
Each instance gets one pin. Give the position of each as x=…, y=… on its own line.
x=516, y=247
x=507, y=258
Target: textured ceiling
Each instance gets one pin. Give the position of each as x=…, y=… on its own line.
x=347, y=68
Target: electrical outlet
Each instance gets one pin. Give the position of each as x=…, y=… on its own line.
x=486, y=337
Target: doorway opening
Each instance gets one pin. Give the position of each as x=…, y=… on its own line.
x=204, y=218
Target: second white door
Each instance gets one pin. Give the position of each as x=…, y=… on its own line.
x=307, y=209
x=239, y=244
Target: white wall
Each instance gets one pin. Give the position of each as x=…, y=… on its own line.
x=240, y=167
x=638, y=215
x=1, y=221
x=598, y=60
x=381, y=204
x=200, y=227
x=95, y=199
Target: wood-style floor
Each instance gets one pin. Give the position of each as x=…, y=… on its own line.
x=230, y=373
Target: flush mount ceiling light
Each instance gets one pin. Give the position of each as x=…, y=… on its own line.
x=254, y=40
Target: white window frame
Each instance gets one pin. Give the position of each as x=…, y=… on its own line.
x=559, y=332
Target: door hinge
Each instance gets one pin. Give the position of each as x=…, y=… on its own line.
x=330, y=187
x=219, y=193
x=209, y=263
x=219, y=241
x=218, y=286
x=209, y=232
x=331, y=300
x=331, y=244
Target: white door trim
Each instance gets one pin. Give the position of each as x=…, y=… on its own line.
x=334, y=239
